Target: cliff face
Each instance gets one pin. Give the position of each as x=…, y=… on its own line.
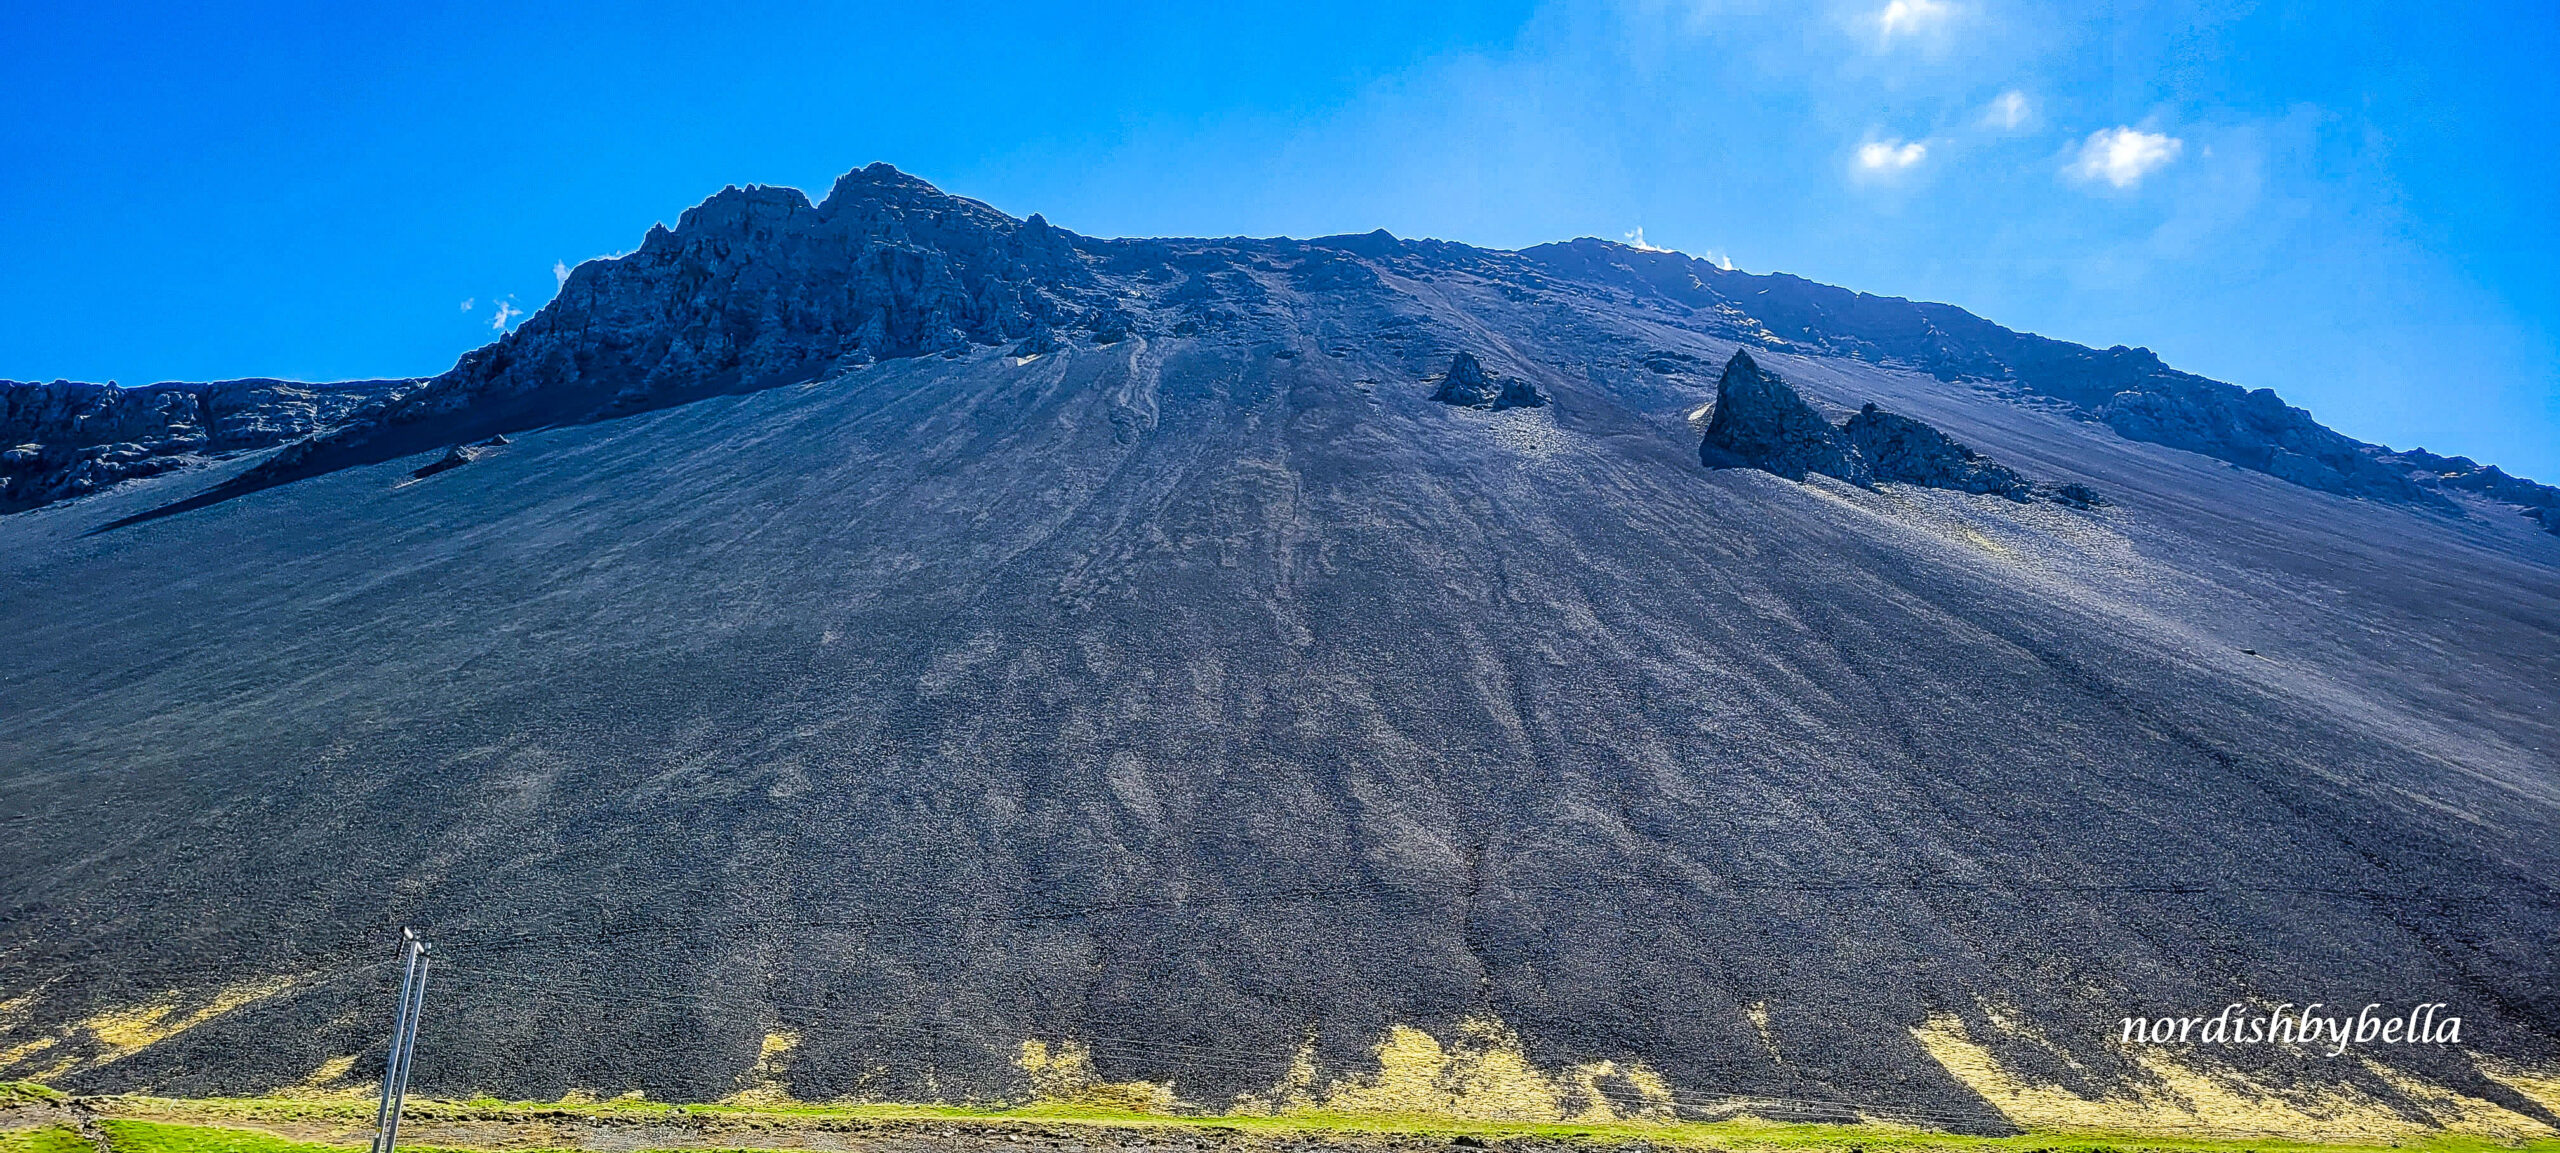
x=889, y=633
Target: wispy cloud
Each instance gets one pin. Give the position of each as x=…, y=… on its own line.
x=1905, y=18
x=1635, y=240
x=560, y=273
x=468, y=301
x=2008, y=111
x=2122, y=156
x=506, y=315
x=1884, y=157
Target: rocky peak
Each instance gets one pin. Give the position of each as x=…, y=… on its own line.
x=754, y=287
x=1760, y=422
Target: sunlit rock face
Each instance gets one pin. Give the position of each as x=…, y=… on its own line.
x=913, y=632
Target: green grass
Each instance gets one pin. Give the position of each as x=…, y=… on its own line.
x=50, y=1139
x=127, y=1136
x=160, y=1125
x=164, y=1137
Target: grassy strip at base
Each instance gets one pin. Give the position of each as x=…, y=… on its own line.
x=127, y=1136
x=180, y=1125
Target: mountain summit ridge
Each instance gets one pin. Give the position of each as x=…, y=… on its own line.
x=757, y=286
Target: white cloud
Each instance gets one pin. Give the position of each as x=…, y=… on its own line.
x=1912, y=17
x=560, y=273
x=468, y=301
x=1883, y=156
x=1635, y=240
x=507, y=312
x=2122, y=156
x=2008, y=111
x=1718, y=258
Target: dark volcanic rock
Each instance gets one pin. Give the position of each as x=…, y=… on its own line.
x=1760, y=422
x=73, y=439
x=453, y=458
x=2074, y=494
x=1901, y=449
x=1468, y=385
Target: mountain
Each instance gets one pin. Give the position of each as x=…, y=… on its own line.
x=886, y=648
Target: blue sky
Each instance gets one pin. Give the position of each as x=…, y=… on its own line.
x=2348, y=202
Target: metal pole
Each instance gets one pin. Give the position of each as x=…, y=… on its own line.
x=411, y=954
x=408, y=1050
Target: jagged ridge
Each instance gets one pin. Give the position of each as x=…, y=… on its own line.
x=68, y=439
x=2127, y=389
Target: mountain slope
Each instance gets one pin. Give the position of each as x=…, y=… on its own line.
x=895, y=633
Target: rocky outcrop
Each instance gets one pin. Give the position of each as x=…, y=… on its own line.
x=1761, y=423
x=1468, y=385
x=458, y=456
x=1908, y=451
x=69, y=439
x=2541, y=502
x=754, y=287
x=2256, y=430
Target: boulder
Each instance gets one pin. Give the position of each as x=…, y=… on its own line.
x=453, y=458
x=2073, y=495
x=1468, y=385
x=1760, y=422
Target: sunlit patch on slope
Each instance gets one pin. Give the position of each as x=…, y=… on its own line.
x=1481, y=1074
x=330, y=1079
x=2179, y=1098
x=118, y=1033
x=1063, y=1075
x=2542, y=1087
x=767, y=1082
